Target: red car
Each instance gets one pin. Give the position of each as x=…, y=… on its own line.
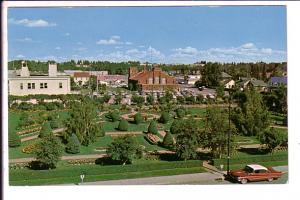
x=254, y=172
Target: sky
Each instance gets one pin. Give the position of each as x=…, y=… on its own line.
x=153, y=34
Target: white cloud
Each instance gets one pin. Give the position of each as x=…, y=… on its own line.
x=67, y=34
x=186, y=51
x=79, y=43
x=24, y=40
x=248, y=46
x=20, y=56
x=113, y=40
x=141, y=46
x=57, y=48
x=128, y=43
x=115, y=37
x=31, y=23
x=81, y=49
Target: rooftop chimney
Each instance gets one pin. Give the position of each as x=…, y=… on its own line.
x=52, y=70
x=24, y=70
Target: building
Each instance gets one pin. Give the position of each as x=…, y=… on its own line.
x=259, y=85
x=92, y=73
x=192, y=79
x=26, y=84
x=153, y=80
x=81, y=78
x=278, y=81
x=230, y=84
x=113, y=80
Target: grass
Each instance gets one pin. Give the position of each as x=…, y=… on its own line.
x=70, y=174
x=198, y=111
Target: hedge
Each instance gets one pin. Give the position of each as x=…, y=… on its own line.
x=252, y=159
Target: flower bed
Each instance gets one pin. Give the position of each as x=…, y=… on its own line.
x=29, y=131
x=18, y=165
x=30, y=149
x=82, y=161
x=153, y=139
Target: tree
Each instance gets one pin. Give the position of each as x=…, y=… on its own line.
x=211, y=75
x=73, y=145
x=150, y=99
x=124, y=149
x=46, y=130
x=187, y=139
x=176, y=127
x=251, y=116
x=168, y=141
x=49, y=151
x=139, y=100
x=215, y=136
x=123, y=125
x=13, y=139
x=272, y=138
x=152, y=128
x=164, y=118
x=220, y=91
x=180, y=112
x=55, y=123
x=82, y=121
x=138, y=118
x=118, y=98
x=113, y=116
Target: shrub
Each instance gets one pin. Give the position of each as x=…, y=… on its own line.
x=46, y=130
x=168, y=141
x=152, y=128
x=54, y=123
x=180, y=112
x=73, y=145
x=113, y=116
x=14, y=140
x=123, y=125
x=164, y=118
x=30, y=149
x=138, y=118
x=100, y=132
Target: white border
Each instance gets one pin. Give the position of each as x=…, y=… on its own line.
x=289, y=190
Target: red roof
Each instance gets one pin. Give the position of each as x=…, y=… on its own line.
x=81, y=74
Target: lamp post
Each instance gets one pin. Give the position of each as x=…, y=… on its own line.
x=228, y=134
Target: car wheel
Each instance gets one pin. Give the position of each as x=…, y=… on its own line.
x=244, y=181
x=270, y=179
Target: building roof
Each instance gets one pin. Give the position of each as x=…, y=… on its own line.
x=258, y=83
x=111, y=77
x=279, y=80
x=81, y=74
x=225, y=75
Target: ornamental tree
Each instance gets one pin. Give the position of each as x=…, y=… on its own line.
x=46, y=130
x=123, y=125
x=73, y=145
x=272, y=138
x=180, y=112
x=49, y=151
x=152, y=128
x=138, y=118
x=164, y=118
x=13, y=139
x=168, y=141
x=124, y=149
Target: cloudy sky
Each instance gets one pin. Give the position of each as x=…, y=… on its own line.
x=157, y=34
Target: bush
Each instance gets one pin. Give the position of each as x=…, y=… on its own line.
x=54, y=123
x=46, y=130
x=164, y=118
x=138, y=118
x=14, y=140
x=30, y=149
x=180, y=112
x=123, y=125
x=100, y=132
x=175, y=127
x=113, y=116
x=152, y=128
x=168, y=141
x=73, y=145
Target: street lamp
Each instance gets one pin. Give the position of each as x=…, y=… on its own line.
x=228, y=134
x=82, y=177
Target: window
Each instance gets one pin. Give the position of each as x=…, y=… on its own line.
x=21, y=86
x=163, y=81
x=41, y=85
x=150, y=81
x=60, y=85
x=45, y=85
x=156, y=80
x=29, y=85
x=32, y=85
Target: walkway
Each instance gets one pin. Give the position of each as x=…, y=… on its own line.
x=36, y=136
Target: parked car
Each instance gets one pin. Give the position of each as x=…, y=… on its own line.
x=254, y=172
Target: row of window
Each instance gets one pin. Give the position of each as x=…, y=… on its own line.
x=42, y=85
x=157, y=80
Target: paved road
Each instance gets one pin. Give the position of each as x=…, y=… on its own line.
x=190, y=179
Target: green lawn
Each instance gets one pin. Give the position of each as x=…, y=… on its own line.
x=197, y=111
x=71, y=173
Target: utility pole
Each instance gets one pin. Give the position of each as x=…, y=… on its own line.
x=229, y=132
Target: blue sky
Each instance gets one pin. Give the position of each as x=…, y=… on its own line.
x=153, y=34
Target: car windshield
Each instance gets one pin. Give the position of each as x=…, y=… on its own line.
x=248, y=169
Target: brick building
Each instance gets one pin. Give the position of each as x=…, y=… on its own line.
x=154, y=80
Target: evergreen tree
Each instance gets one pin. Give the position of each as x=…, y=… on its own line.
x=138, y=118
x=272, y=138
x=152, y=128
x=73, y=145
x=168, y=141
x=180, y=112
x=46, y=130
x=14, y=139
x=123, y=125
x=164, y=118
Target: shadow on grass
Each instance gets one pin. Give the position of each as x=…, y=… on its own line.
x=254, y=151
x=37, y=165
x=107, y=161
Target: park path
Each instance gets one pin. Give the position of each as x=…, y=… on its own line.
x=36, y=136
x=276, y=126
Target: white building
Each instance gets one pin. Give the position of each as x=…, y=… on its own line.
x=24, y=84
x=192, y=79
x=81, y=78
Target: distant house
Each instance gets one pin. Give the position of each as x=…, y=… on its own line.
x=277, y=81
x=81, y=78
x=230, y=84
x=113, y=80
x=259, y=85
x=192, y=79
